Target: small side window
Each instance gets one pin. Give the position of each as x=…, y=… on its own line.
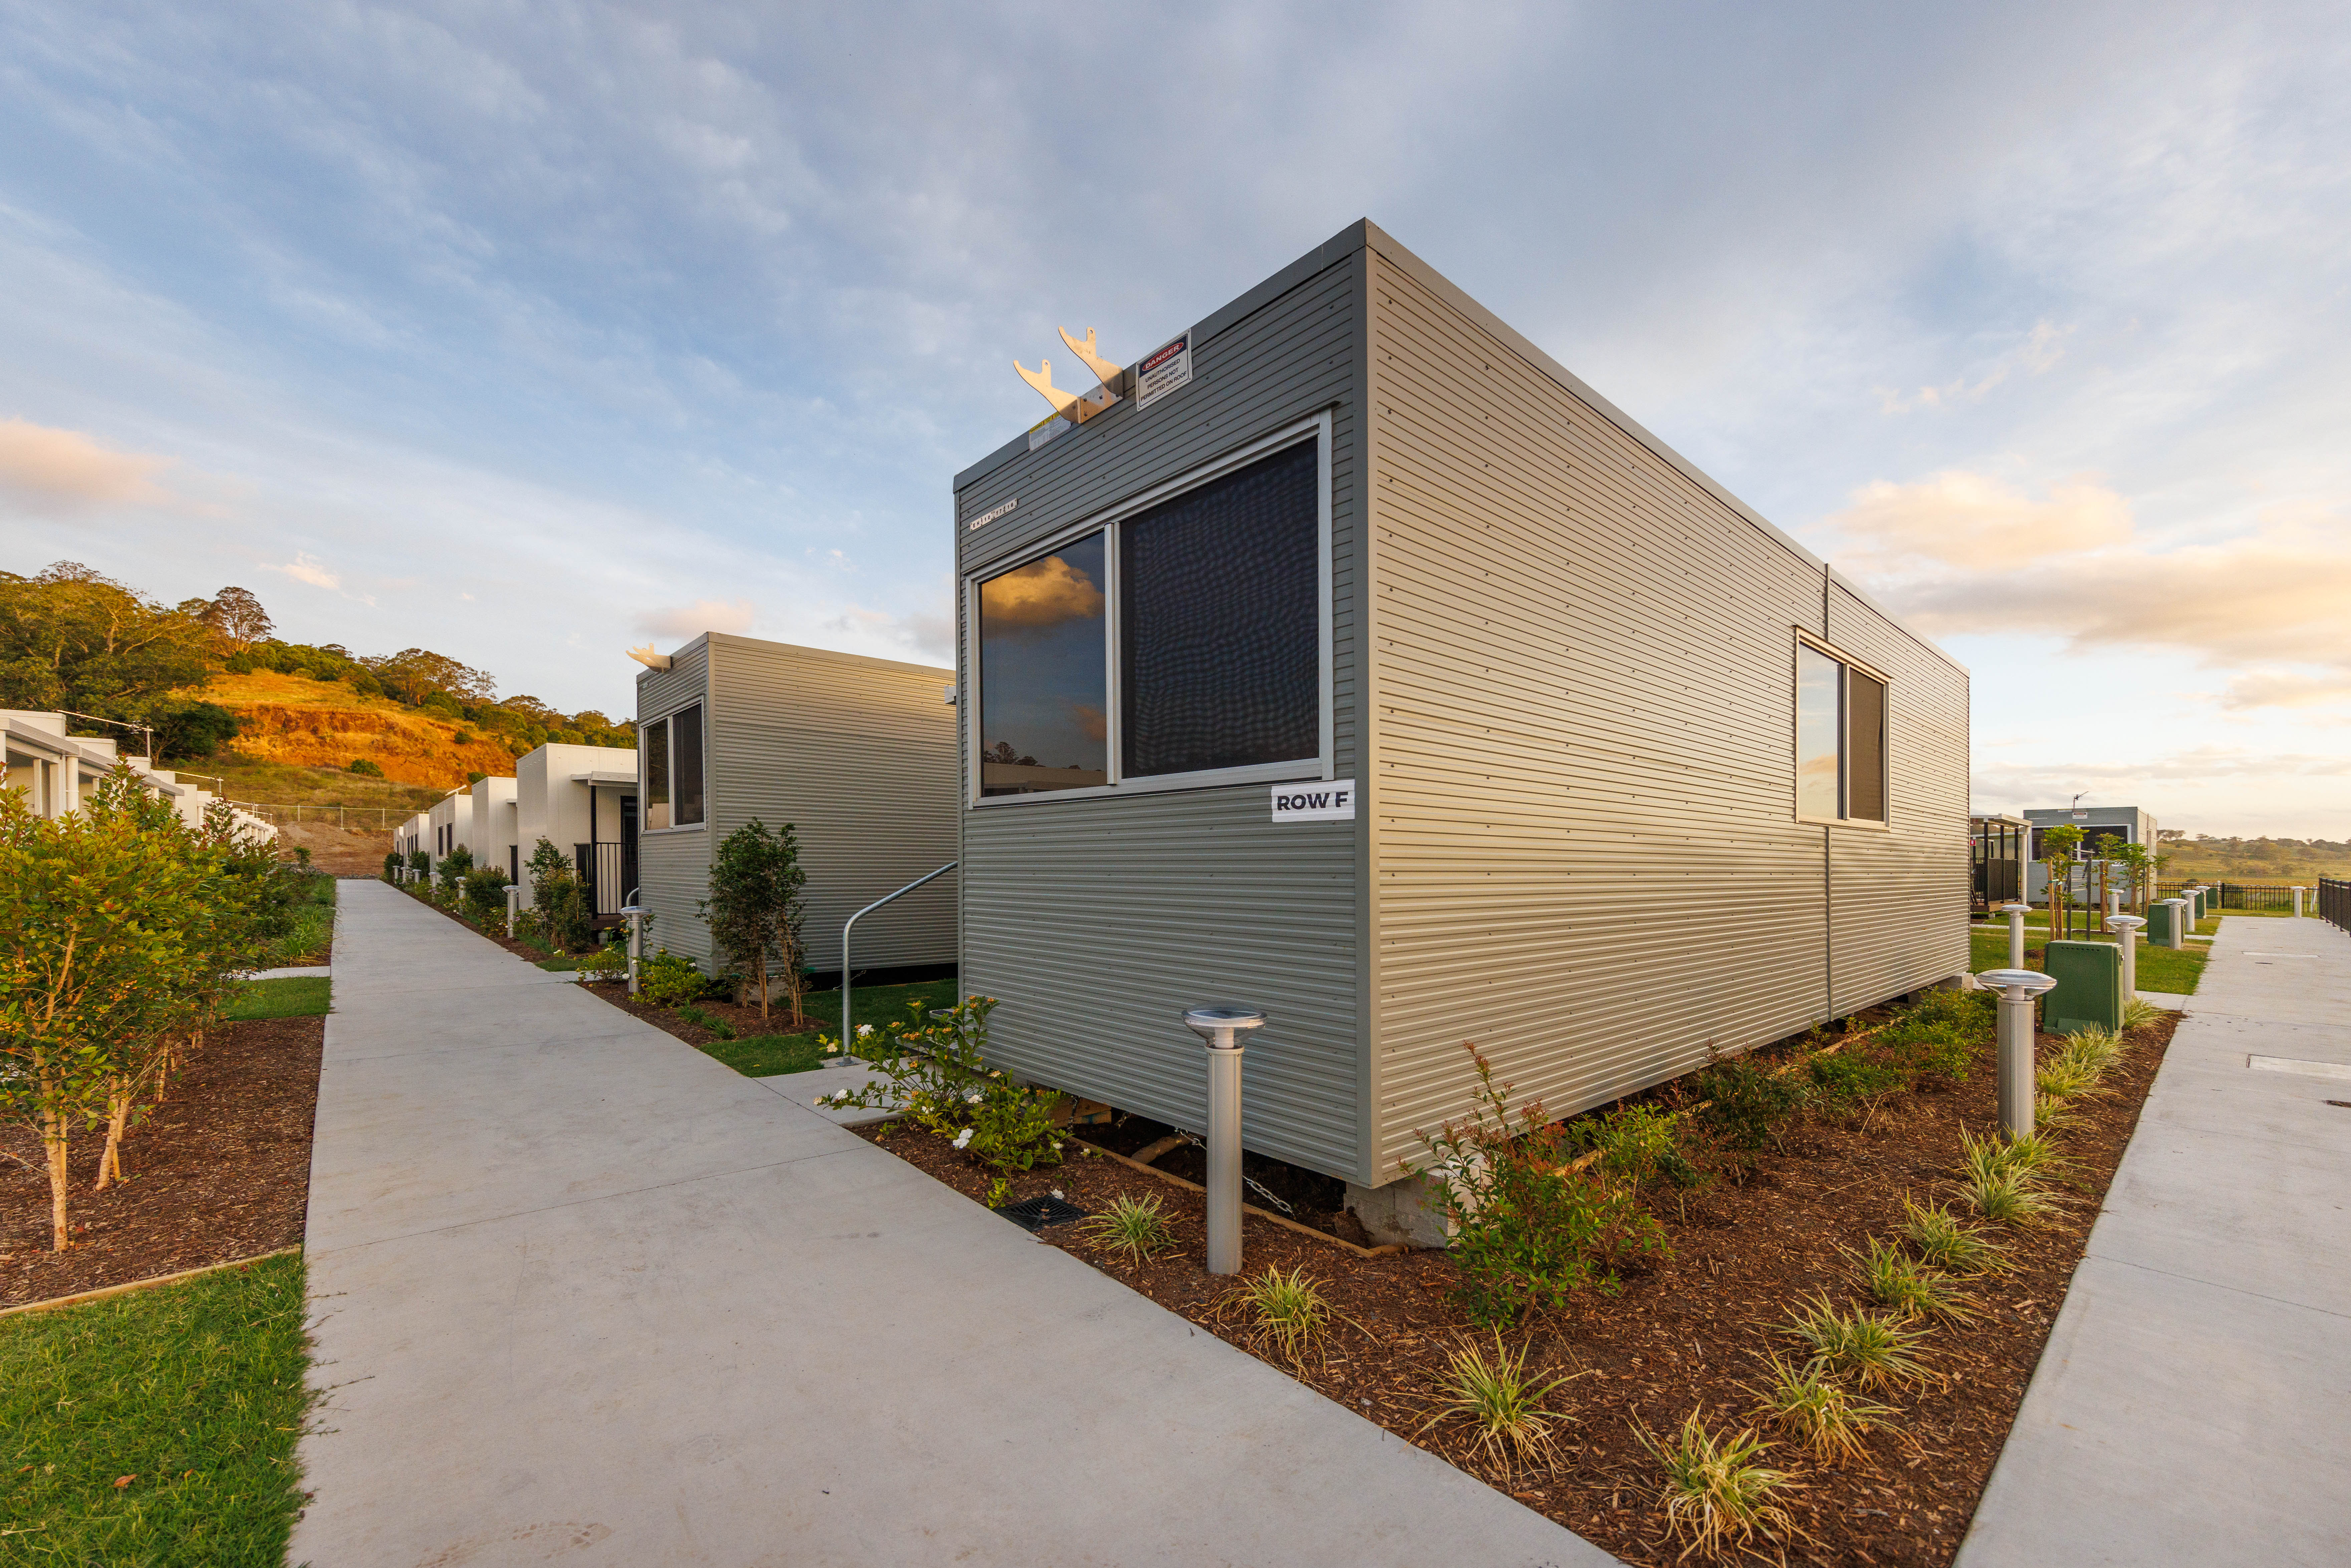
x=1841, y=739
x=686, y=752
x=657, y=774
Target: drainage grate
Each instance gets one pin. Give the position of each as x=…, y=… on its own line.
x=1036, y=1213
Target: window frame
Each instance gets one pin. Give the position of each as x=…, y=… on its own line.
x=669, y=739
x=1845, y=663
x=972, y=697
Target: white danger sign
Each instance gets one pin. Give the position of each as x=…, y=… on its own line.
x=1163, y=369
x=1330, y=802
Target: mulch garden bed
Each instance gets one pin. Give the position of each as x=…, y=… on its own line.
x=219, y=1171
x=1688, y=1333
x=745, y=1021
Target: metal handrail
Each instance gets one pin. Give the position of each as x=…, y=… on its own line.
x=847, y=1024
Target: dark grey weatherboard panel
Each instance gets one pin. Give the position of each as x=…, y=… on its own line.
x=1094, y=922
x=673, y=868
x=1584, y=851
x=858, y=755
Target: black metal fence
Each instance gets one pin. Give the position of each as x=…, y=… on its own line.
x=609, y=872
x=2240, y=894
x=2334, y=902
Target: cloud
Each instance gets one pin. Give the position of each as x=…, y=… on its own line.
x=1960, y=552
x=60, y=472
x=1043, y=594
x=702, y=616
x=1973, y=520
x=2038, y=354
x=1091, y=721
x=305, y=567
x=2254, y=603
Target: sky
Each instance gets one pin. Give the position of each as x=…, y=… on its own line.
x=532, y=333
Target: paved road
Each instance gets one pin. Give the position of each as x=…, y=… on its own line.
x=582, y=1294
x=2194, y=1404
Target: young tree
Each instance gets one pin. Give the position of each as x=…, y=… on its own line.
x=560, y=901
x=755, y=910
x=2058, y=845
x=93, y=935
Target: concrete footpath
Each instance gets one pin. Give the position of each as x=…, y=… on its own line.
x=581, y=1294
x=2194, y=1404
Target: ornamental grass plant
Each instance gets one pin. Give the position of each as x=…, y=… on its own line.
x=1500, y=1399
x=1717, y=1492
x=1806, y=1403
x=1873, y=1348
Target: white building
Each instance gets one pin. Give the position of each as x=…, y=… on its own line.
x=583, y=800
x=491, y=829
x=55, y=770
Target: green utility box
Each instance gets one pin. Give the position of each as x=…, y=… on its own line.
x=2089, y=989
x=2160, y=917
x=2203, y=897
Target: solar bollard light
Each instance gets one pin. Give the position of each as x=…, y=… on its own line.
x=635, y=914
x=2017, y=989
x=515, y=891
x=2016, y=914
x=1219, y=1029
x=2126, y=929
x=2297, y=903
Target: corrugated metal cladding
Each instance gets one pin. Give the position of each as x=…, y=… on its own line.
x=859, y=756
x=1899, y=898
x=1566, y=684
x=673, y=868
x=1583, y=849
x=1096, y=922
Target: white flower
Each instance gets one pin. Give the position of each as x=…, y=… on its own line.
x=963, y=1139
x=973, y=1098
x=863, y=1030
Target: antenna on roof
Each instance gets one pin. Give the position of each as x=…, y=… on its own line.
x=648, y=658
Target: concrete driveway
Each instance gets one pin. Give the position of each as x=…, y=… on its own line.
x=583, y=1294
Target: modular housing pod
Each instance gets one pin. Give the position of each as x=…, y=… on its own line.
x=857, y=754
x=1361, y=665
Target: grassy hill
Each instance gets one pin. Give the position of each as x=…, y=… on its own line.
x=2258, y=859
x=295, y=735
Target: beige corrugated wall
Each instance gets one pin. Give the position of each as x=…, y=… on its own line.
x=1585, y=856
x=859, y=756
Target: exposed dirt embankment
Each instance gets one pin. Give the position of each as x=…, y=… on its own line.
x=298, y=722
x=410, y=748
x=339, y=852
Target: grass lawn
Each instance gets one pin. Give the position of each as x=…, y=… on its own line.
x=157, y=1426
x=767, y=1055
x=2160, y=969
x=301, y=997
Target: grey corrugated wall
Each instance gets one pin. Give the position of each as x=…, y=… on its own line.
x=1096, y=922
x=858, y=755
x=1583, y=847
x=673, y=868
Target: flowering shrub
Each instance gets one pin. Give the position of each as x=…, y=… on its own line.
x=605, y=963
x=935, y=1074
x=1533, y=1224
x=669, y=980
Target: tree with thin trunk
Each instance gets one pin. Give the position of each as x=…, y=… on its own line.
x=755, y=911
x=93, y=931
x=2058, y=845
